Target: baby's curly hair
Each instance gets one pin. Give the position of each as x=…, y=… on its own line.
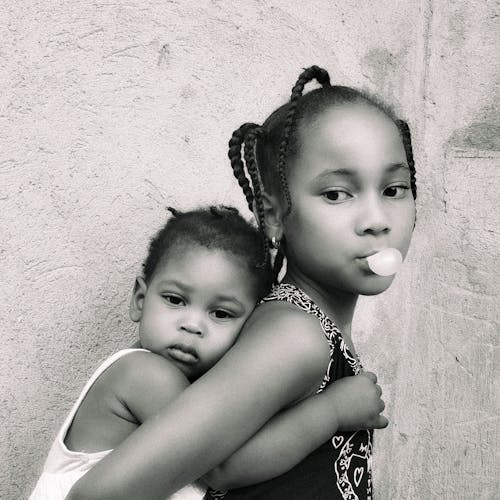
x=216, y=228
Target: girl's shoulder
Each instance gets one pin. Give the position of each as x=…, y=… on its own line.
x=289, y=314
x=280, y=324
x=284, y=313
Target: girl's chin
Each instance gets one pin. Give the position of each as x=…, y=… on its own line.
x=378, y=284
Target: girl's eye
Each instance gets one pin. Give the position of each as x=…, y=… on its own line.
x=336, y=195
x=174, y=300
x=221, y=314
x=396, y=191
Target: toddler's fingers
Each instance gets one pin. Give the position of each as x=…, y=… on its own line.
x=370, y=375
x=381, y=422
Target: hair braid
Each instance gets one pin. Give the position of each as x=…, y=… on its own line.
x=251, y=165
x=406, y=137
x=322, y=76
x=235, y=156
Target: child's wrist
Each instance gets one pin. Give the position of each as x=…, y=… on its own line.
x=333, y=415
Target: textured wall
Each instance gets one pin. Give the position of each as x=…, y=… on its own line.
x=111, y=111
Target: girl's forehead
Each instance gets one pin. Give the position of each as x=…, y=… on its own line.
x=349, y=138
x=340, y=119
x=351, y=130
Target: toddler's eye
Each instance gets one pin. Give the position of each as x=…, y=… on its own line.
x=396, y=191
x=174, y=300
x=336, y=195
x=222, y=314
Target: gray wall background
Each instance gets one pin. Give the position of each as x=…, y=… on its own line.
x=110, y=111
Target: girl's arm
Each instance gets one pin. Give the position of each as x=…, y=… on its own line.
x=348, y=404
x=278, y=360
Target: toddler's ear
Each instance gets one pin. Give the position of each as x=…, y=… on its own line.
x=137, y=300
x=273, y=215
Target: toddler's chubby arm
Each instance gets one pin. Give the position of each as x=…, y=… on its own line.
x=350, y=403
x=278, y=360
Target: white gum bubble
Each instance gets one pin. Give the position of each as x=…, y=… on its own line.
x=386, y=262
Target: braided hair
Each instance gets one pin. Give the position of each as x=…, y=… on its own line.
x=215, y=227
x=259, y=154
x=404, y=130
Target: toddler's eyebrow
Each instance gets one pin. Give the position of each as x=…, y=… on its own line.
x=174, y=282
x=229, y=298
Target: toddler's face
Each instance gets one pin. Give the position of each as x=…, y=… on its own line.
x=194, y=307
x=351, y=197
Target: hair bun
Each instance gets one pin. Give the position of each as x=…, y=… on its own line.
x=315, y=73
x=321, y=76
x=174, y=211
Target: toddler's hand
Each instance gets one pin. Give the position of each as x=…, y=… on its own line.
x=357, y=402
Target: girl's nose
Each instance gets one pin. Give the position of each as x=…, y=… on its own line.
x=373, y=217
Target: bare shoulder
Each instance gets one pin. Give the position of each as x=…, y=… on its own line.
x=280, y=334
x=142, y=368
x=145, y=382
x=286, y=323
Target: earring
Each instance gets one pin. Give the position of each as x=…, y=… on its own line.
x=275, y=242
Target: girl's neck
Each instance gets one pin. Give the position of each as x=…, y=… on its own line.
x=337, y=304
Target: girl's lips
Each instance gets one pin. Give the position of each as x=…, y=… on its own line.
x=364, y=264
x=184, y=354
x=368, y=254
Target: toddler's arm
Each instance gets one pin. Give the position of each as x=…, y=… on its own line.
x=350, y=403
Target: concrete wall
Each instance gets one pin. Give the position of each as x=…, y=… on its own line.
x=110, y=111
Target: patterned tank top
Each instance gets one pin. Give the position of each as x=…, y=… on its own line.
x=341, y=467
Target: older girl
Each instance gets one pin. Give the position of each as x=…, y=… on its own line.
x=331, y=178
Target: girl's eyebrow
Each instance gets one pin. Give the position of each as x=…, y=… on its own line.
x=342, y=172
x=347, y=172
x=394, y=167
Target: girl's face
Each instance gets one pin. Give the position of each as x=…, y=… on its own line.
x=351, y=197
x=194, y=307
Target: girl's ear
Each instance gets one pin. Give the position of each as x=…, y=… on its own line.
x=137, y=300
x=273, y=216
